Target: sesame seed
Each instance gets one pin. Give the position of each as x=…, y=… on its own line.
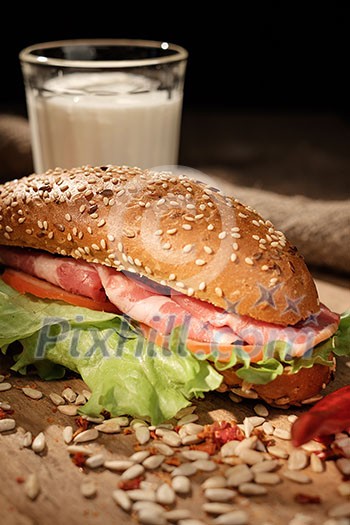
x=269, y=238
x=160, y=202
x=248, y=260
x=264, y=267
x=172, y=231
x=21, y=220
x=235, y=246
x=235, y=229
x=124, y=257
x=166, y=246
x=95, y=247
x=202, y=286
x=7, y=236
x=50, y=235
x=172, y=277
x=256, y=237
x=29, y=232
x=242, y=215
x=236, y=235
x=263, y=241
x=199, y=216
x=105, y=201
x=273, y=280
x=210, y=227
x=268, y=223
x=138, y=262
x=208, y=250
x=120, y=193
x=202, y=207
x=179, y=284
x=75, y=230
x=200, y=262
x=190, y=206
x=68, y=217
x=186, y=227
x=190, y=292
x=63, y=252
x=233, y=257
x=187, y=248
x=274, y=244
x=255, y=222
x=148, y=270
x=39, y=223
x=222, y=235
x=218, y=291
x=100, y=223
x=110, y=237
x=130, y=259
x=120, y=247
x=174, y=203
x=189, y=218
x=158, y=232
x=142, y=204
x=103, y=244
x=69, y=237
x=89, y=230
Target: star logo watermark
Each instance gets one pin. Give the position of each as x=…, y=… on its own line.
x=312, y=319
x=267, y=295
x=292, y=305
x=232, y=307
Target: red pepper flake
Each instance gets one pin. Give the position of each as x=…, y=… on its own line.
x=130, y=484
x=219, y=433
x=173, y=461
x=304, y=499
x=20, y=480
x=81, y=422
x=153, y=434
x=127, y=431
x=6, y=413
x=79, y=459
x=211, y=448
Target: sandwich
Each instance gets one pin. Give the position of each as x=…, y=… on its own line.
x=155, y=289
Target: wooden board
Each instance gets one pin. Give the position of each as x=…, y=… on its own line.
x=60, y=501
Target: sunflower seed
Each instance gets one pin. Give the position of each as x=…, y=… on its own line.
x=297, y=460
x=217, y=507
x=87, y=394
x=236, y=517
x=88, y=488
x=67, y=434
x=191, y=440
x=32, y=486
x=267, y=478
x=39, y=443
x=189, y=418
x=229, y=448
x=169, y=437
x=191, y=521
x=163, y=449
x=268, y=428
x=94, y=419
x=5, y=386
x=181, y=484
x=261, y=410
x=73, y=449
x=250, y=489
x=214, y=482
x=7, y=424
x=122, y=499
x=238, y=475
x=153, y=462
x=167, y=468
x=147, y=505
x=278, y=452
x=343, y=465
x=56, y=399
x=138, y=423
x=248, y=443
x=256, y=421
x=87, y=435
x=68, y=410
x=248, y=394
x=191, y=429
x=142, y=434
x=177, y=515
x=282, y=433
x=185, y=411
x=186, y=469
x=165, y=494
x=193, y=455
x=32, y=393
x=296, y=476
x=264, y=466
x=142, y=494
x=234, y=397
x=302, y=519
x=344, y=489
x=69, y=395
x=149, y=517
x=316, y=464
x=205, y=465
x=27, y=440
x=118, y=464
x=139, y=456
x=80, y=400
x=5, y=405
x=313, y=446
x=292, y=418
x=108, y=427
x=220, y=494
x=2, y=377
x=247, y=427
x=133, y=472
x=340, y=511
x=251, y=456
x=95, y=461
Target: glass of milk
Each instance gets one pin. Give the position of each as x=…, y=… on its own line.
x=104, y=102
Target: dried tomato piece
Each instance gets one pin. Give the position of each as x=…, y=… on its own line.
x=130, y=484
x=79, y=459
x=307, y=498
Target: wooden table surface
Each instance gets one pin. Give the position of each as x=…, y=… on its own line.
x=60, y=501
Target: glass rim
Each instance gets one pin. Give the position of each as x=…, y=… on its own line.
x=26, y=55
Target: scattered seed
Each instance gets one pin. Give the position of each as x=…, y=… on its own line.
x=181, y=484
x=220, y=494
x=73, y=449
x=153, y=462
x=68, y=410
x=250, y=456
x=56, y=399
x=88, y=488
x=343, y=465
x=316, y=464
x=312, y=446
x=214, y=482
x=340, y=511
x=108, y=427
x=268, y=428
x=32, y=486
x=165, y=494
x=186, y=469
x=122, y=499
x=256, y=421
x=251, y=489
x=80, y=400
x=282, y=433
x=7, y=424
x=238, y=474
x=193, y=455
x=87, y=435
x=267, y=478
x=296, y=476
x=4, y=405
x=236, y=517
x=133, y=472
x=229, y=448
x=171, y=438
x=39, y=443
x=142, y=494
x=261, y=410
x=247, y=427
x=292, y=418
x=119, y=464
x=191, y=440
x=163, y=449
x=185, y=411
x=189, y=418
x=205, y=465
x=278, y=452
x=177, y=515
x=298, y=460
x=27, y=440
x=142, y=434
x=86, y=394
x=5, y=386
x=149, y=517
x=95, y=461
x=344, y=489
x=140, y=505
x=96, y=420
x=246, y=444
x=265, y=466
x=192, y=428
x=32, y=393
x=67, y=434
x=139, y=456
x=69, y=395
x=217, y=507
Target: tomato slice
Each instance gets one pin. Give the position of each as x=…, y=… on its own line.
x=24, y=283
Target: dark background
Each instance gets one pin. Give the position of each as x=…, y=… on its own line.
x=276, y=56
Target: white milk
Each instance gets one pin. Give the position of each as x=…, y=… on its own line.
x=71, y=125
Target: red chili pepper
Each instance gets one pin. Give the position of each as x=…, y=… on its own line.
x=327, y=417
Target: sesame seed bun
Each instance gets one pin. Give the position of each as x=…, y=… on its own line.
x=176, y=231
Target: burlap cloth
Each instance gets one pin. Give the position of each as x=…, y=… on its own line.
x=320, y=229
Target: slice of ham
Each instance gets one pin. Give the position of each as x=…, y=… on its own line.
x=73, y=276
x=300, y=338
x=157, y=311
